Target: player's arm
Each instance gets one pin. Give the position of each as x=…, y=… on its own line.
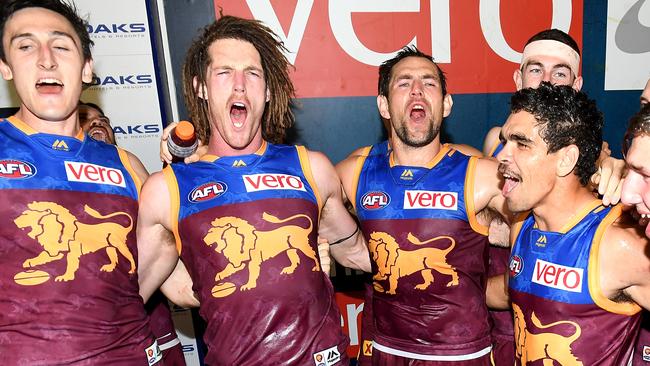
x=137, y=166
x=157, y=255
x=487, y=189
x=491, y=140
x=166, y=156
x=347, y=244
x=496, y=293
x=624, y=262
x=178, y=287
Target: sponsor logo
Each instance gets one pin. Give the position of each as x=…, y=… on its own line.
x=557, y=276
x=60, y=145
x=92, y=173
x=153, y=353
x=116, y=28
x=117, y=80
x=407, y=174
x=541, y=241
x=238, y=163
x=516, y=265
x=631, y=35
x=188, y=348
x=136, y=129
x=367, y=348
x=327, y=357
x=263, y=182
x=430, y=200
x=207, y=191
x=646, y=353
x=375, y=200
x=16, y=169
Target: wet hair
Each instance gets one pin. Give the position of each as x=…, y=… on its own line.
x=555, y=35
x=278, y=116
x=565, y=117
x=66, y=9
x=386, y=69
x=92, y=105
x=639, y=126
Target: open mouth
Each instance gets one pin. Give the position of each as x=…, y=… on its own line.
x=98, y=133
x=418, y=113
x=511, y=180
x=238, y=113
x=49, y=85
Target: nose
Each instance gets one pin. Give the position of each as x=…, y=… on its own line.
x=547, y=77
x=416, y=88
x=46, y=59
x=630, y=192
x=505, y=155
x=239, y=81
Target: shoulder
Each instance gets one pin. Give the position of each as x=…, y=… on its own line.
x=624, y=235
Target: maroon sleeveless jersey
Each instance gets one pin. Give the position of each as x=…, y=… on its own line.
x=248, y=226
x=68, y=254
x=429, y=257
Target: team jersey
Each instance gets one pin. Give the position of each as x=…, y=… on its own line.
x=429, y=255
x=68, y=252
x=247, y=229
x=559, y=310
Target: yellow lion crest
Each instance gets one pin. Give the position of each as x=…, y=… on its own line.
x=244, y=246
x=548, y=347
x=394, y=263
x=62, y=235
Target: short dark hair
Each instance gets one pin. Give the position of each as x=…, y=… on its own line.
x=565, y=117
x=555, y=35
x=639, y=126
x=66, y=9
x=386, y=69
x=92, y=105
x=278, y=116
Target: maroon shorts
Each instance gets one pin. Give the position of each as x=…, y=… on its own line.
x=173, y=356
x=503, y=351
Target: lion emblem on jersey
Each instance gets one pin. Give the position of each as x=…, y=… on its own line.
x=548, y=347
x=63, y=236
x=245, y=247
x=394, y=263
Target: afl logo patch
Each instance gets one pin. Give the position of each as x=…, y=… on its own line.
x=375, y=200
x=16, y=169
x=207, y=191
x=516, y=265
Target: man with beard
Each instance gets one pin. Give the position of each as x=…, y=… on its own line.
x=417, y=203
x=95, y=123
x=579, y=274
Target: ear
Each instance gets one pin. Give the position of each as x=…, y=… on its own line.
x=447, y=103
x=577, y=83
x=87, y=71
x=382, y=104
x=268, y=95
x=516, y=76
x=200, y=90
x=567, y=160
x=6, y=71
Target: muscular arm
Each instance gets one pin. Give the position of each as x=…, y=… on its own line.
x=157, y=255
x=625, y=262
x=491, y=140
x=335, y=221
x=467, y=149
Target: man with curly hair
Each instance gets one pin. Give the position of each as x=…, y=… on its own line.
x=246, y=216
x=578, y=274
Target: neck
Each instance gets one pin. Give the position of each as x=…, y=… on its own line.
x=67, y=127
x=219, y=147
x=414, y=156
x=561, y=206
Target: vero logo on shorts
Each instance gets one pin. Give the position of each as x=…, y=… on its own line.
x=91, y=173
x=558, y=276
x=263, y=182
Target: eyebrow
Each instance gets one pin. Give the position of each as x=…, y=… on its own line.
x=519, y=137
x=411, y=77
x=537, y=63
x=52, y=33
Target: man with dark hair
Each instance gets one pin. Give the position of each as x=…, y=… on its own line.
x=578, y=270
x=246, y=216
x=95, y=123
x=68, y=263
x=417, y=201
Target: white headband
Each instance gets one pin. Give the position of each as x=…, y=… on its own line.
x=547, y=47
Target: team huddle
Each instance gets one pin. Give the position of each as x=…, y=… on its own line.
x=517, y=254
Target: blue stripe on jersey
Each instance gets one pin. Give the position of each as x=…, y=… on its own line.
x=555, y=265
